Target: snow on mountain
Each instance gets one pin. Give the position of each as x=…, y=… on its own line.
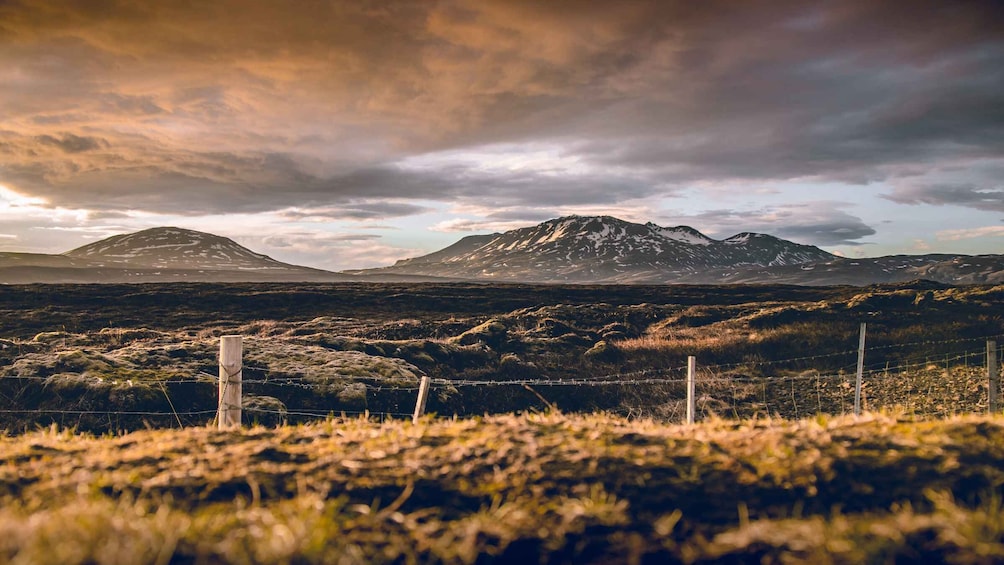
x=685, y=234
x=167, y=254
x=603, y=249
x=176, y=248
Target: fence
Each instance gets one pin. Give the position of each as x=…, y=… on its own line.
x=954, y=395
x=967, y=381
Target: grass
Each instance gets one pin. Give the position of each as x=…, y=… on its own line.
x=536, y=488
x=760, y=350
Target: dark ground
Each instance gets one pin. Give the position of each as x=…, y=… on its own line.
x=354, y=347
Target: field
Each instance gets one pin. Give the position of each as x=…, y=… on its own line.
x=555, y=436
x=105, y=358
x=537, y=488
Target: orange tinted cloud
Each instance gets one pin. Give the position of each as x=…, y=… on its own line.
x=172, y=104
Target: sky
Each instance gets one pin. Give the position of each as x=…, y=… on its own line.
x=350, y=134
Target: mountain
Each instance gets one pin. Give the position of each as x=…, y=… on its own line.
x=465, y=245
x=573, y=249
x=602, y=249
x=606, y=250
x=176, y=248
x=165, y=254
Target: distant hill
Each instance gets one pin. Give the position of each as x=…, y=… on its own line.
x=943, y=268
x=164, y=254
x=176, y=248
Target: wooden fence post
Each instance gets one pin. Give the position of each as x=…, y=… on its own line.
x=994, y=377
x=861, y=371
x=691, y=388
x=228, y=413
x=423, y=397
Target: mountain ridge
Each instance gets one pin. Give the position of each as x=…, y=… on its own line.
x=171, y=247
x=166, y=254
x=602, y=249
x=570, y=249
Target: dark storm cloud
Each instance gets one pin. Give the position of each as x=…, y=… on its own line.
x=816, y=223
x=235, y=106
x=139, y=172
x=69, y=143
x=967, y=195
x=834, y=233
x=130, y=105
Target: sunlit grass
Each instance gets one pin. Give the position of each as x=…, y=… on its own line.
x=548, y=487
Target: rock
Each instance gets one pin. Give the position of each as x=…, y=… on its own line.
x=491, y=333
x=353, y=396
x=511, y=366
x=603, y=351
x=263, y=410
x=614, y=336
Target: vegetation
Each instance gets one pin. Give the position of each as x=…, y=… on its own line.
x=534, y=488
x=620, y=483
x=70, y=353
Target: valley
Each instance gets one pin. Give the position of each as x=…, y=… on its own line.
x=315, y=349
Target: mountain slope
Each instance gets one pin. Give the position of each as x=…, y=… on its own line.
x=571, y=249
x=464, y=245
x=603, y=249
x=166, y=255
x=176, y=248
x=943, y=268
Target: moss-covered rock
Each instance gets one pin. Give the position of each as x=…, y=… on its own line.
x=263, y=410
x=353, y=396
x=614, y=336
x=615, y=327
x=52, y=337
x=551, y=327
x=491, y=333
x=574, y=339
x=512, y=367
x=603, y=351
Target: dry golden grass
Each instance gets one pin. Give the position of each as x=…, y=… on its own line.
x=542, y=488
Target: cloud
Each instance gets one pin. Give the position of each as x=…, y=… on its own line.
x=142, y=173
x=970, y=233
x=70, y=143
x=480, y=218
x=299, y=239
x=333, y=251
x=817, y=223
x=226, y=106
x=968, y=195
x=357, y=211
x=469, y=225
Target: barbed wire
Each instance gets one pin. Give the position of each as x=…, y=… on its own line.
x=935, y=342
x=876, y=372
x=104, y=412
x=626, y=378
x=869, y=348
x=902, y=367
